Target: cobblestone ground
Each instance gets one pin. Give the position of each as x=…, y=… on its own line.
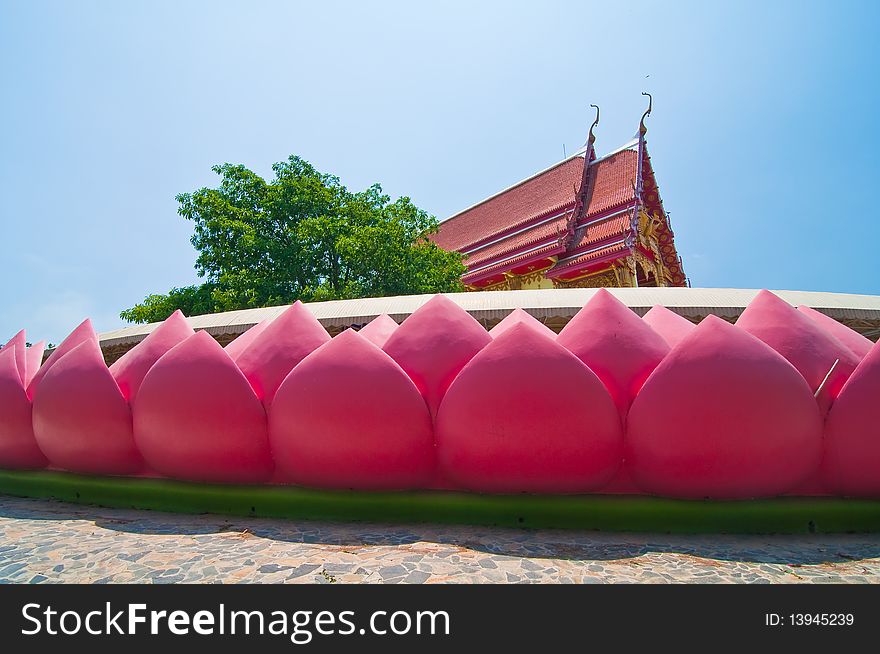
x=55, y=542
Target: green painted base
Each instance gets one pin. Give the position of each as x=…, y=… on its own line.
x=600, y=512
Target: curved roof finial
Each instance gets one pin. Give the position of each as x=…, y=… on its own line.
x=642, y=129
x=592, y=137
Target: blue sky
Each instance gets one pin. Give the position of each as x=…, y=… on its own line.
x=763, y=135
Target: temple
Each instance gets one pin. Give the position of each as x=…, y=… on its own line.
x=586, y=221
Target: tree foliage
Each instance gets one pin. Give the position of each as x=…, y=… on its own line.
x=301, y=236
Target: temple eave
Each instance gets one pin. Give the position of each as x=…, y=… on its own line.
x=580, y=265
x=585, y=220
x=514, y=262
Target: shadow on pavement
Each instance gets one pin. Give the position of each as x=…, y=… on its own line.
x=795, y=550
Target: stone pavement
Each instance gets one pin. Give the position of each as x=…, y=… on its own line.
x=42, y=541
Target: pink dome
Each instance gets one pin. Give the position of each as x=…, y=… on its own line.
x=81, y=421
x=348, y=417
x=84, y=332
x=33, y=360
x=196, y=417
x=858, y=344
x=131, y=368
x=18, y=447
x=723, y=416
x=278, y=348
x=519, y=316
x=615, y=344
x=379, y=330
x=241, y=342
x=433, y=345
x=852, y=433
x=526, y=415
x=18, y=346
x=671, y=326
x=808, y=347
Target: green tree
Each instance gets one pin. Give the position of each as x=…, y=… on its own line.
x=301, y=236
x=192, y=300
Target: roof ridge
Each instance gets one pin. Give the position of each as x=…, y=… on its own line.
x=626, y=146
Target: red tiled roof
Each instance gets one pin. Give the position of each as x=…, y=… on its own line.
x=601, y=230
x=613, y=180
x=542, y=195
x=550, y=192
x=541, y=253
x=529, y=221
x=530, y=237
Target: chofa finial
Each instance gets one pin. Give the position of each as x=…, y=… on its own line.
x=642, y=129
x=592, y=137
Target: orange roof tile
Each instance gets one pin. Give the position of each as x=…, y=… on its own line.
x=541, y=233
x=552, y=191
x=601, y=230
x=540, y=253
x=613, y=180
x=542, y=195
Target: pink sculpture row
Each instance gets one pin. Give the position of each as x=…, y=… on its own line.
x=787, y=401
